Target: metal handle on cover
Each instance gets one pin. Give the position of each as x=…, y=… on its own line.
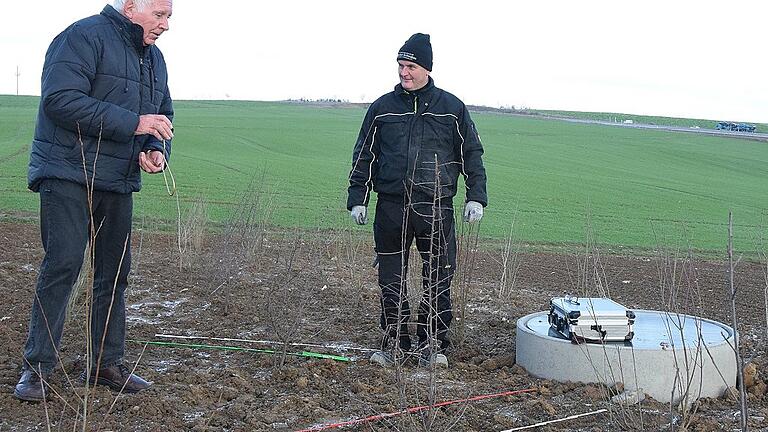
x=572, y=299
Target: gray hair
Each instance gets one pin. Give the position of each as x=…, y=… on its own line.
x=119, y=5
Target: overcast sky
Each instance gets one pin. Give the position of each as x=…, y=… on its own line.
x=700, y=59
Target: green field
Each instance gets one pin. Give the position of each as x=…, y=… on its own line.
x=631, y=188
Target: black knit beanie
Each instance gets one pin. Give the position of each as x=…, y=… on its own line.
x=418, y=50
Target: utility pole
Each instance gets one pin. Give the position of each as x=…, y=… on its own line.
x=17, y=80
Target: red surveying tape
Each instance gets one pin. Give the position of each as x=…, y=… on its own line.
x=412, y=410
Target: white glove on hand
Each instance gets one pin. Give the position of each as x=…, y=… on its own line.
x=473, y=211
x=359, y=214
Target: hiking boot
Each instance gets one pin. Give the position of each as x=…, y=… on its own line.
x=118, y=378
x=31, y=386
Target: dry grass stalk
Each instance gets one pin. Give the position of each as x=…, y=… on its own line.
x=426, y=390
x=73, y=307
x=349, y=247
x=90, y=278
x=735, y=322
x=762, y=253
x=591, y=280
x=242, y=238
x=137, y=256
x=191, y=232
x=466, y=258
x=510, y=263
x=79, y=411
x=289, y=298
x=681, y=298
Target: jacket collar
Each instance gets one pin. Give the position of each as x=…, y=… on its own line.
x=132, y=33
x=424, y=91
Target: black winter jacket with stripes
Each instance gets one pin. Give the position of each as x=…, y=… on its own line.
x=416, y=144
x=98, y=77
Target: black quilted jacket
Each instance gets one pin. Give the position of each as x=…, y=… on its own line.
x=98, y=77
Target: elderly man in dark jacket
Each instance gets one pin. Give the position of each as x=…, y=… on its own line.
x=105, y=113
x=413, y=144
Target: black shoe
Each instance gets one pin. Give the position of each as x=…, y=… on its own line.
x=405, y=343
x=118, y=378
x=31, y=386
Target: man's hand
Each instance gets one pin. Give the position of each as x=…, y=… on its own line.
x=473, y=211
x=152, y=161
x=156, y=125
x=359, y=214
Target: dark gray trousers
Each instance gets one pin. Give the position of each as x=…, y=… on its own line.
x=65, y=226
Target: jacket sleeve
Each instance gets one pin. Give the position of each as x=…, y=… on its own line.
x=364, y=164
x=69, y=70
x=472, y=160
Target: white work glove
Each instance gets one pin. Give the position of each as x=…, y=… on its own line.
x=473, y=211
x=359, y=214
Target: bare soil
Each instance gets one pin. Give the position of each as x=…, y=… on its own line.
x=305, y=288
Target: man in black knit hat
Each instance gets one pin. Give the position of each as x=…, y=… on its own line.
x=412, y=146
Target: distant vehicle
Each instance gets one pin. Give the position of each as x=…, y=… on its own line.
x=729, y=126
x=736, y=127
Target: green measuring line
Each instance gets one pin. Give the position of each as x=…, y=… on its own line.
x=232, y=348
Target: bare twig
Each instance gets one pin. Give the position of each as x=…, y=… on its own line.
x=510, y=262
x=735, y=323
x=544, y=423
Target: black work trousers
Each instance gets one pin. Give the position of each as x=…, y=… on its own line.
x=396, y=225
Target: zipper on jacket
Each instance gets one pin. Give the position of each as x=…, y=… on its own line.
x=141, y=83
x=410, y=173
x=151, y=81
